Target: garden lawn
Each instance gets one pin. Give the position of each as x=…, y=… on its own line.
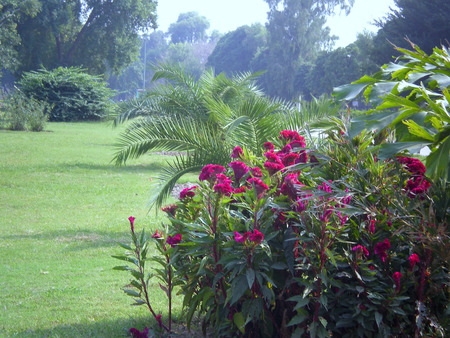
x=63, y=206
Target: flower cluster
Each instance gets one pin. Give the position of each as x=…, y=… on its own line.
x=417, y=185
x=187, y=192
x=254, y=236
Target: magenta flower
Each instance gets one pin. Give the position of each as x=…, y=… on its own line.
x=256, y=172
x=290, y=135
x=412, y=165
x=360, y=250
x=240, y=238
x=298, y=143
x=170, y=209
x=286, y=149
x=269, y=146
x=259, y=185
x=240, y=190
x=187, y=192
x=417, y=186
x=135, y=333
x=210, y=171
x=272, y=167
x=291, y=185
x=290, y=159
x=239, y=169
x=413, y=260
x=173, y=241
x=157, y=234
x=372, y=226
x=303, y=157
x=237, y=152
x=396, y=276
x=325, y=187
x=256, y=236
x=223, y=189
x=131, y=219
x=381, y=248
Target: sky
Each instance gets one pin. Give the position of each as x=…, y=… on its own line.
x=228, y=15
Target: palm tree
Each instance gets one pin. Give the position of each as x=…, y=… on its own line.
x=203, y=120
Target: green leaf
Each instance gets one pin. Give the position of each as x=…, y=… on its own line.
x=388, y=150
x=250, y=273
x=240, y=286
x=438, y=161
x=239, y=321
x=138, y=302
x=331, y=257
x=127, y=247
x=131, y=293
x=348, y=91
x=378, y=318
x=418, y=131
x=301, y=301
x=299, y=318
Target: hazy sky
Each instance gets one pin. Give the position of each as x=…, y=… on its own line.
x=227, y=15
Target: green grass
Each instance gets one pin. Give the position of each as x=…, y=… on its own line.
x=63, y=206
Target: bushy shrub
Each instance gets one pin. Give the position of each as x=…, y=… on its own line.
x=24, y=113
x=330, y=243
x=73, y=94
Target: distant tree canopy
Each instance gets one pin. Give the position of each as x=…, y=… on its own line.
x=296, y=33
x=425, y=23
x=235, y=50
x=11, y=11
x=96, y=34
x=190, y=27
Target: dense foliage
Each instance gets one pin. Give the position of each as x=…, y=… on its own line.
x=303, y=242
x=73, y=94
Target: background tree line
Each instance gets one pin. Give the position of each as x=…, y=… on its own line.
x=293, y=49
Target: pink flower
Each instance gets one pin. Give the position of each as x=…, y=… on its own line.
x=158, y=319
x=157, y=234
x=417, y=186
x=269, y=146
x=360, y=250
x=241, y=238
x=272, y=167
x=239, y=169
x=298, y=143
x=240, y=190
x=286, y=149
x=256, y=172
x=381, y=248
x=131, y=219
x=210, y=171
x=396, y=276
x=170, y=209
x=325, y=187
x=303, y=157
x=135, y=333
x=259, y=185
x=290, y=135
x=187, y=193
x=237, y=152
x=413, y=260
x=256, y=236
x=173, y=241
x=223, y=189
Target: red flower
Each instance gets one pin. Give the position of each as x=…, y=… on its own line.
x=272, y=167
x=325, y=187
x=269, y=146
x=138, y=334
x=131, y=219
x=413, y=165
x=223, y=185
x=237, y=152
x=240, y=190
x=303, y=157
x=290, y=135
x=172, y=241
x=413, y=260
x=417, y=186
x=210, y=171
x=360, y=250
x=381, y=248
x=286, y=149
x=256, y=236
x=185, y=193
x=159, y=320
x=372, y=226
x=170, y=209
x=298, y=143
x=157, y=234
x=396, y=276
x=239, y=169
x=291, y=185
x=259, y=185
x=290, y=159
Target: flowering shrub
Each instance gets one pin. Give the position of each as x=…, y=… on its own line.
x=312, y=244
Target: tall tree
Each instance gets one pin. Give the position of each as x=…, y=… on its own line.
x=296, y=33
x=190, y=27
x=10, y=13
x=425, y=23
x=235, y=50
x=95, y=34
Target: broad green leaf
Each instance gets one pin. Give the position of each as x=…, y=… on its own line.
x=250, y=273
x=127, y=247
x=299, y=318
x=388, y=150
x=131, y=293
x=239, y=321
x=331, y=257
x=438, y=161
x=349, y=91
x=378, y=318
x=138, y=302
x=419, y=131
x=300, y=300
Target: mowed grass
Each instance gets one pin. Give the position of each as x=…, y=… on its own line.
x=63, y=206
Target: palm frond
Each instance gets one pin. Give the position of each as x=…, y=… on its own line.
x=170, y=133
x=184, y=164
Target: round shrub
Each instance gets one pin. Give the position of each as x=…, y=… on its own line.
x=73, y=94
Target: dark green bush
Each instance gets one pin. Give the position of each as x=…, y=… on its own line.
x=74, y=94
